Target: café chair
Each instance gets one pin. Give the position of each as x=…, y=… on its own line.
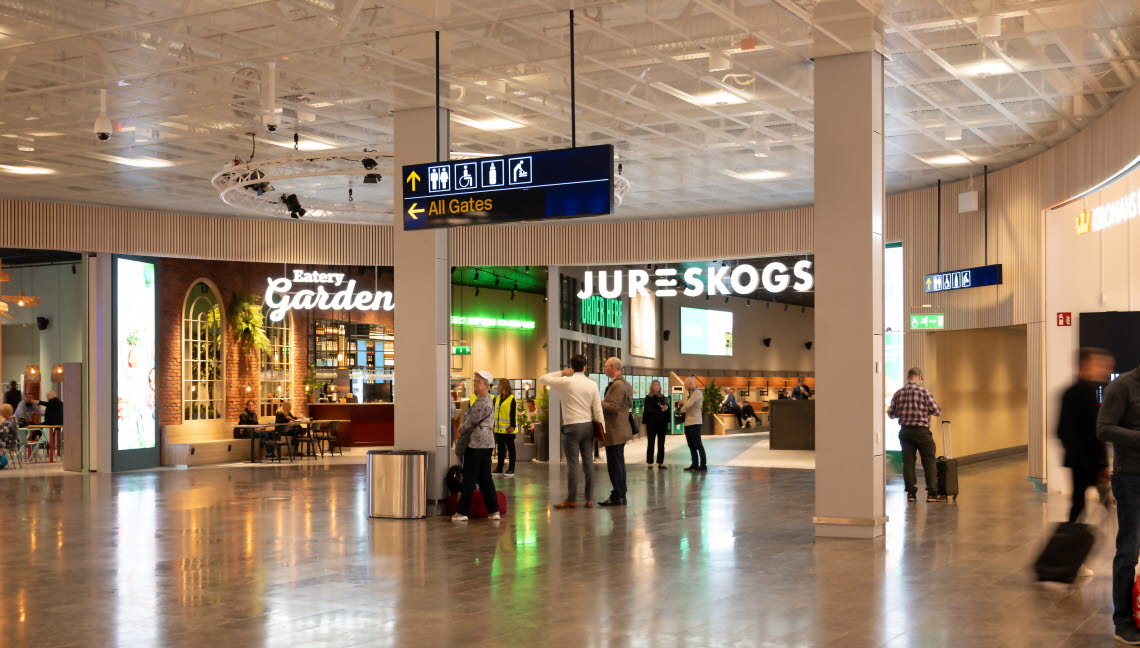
x=31, y=448
x=328, y=435
x=311, y=439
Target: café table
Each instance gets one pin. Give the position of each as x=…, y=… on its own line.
x=252, y=436
x=54, y=432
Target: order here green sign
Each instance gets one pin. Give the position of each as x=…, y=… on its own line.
x=599, y=311
x=928, y=321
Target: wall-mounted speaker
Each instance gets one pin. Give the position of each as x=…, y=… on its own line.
x=807, y=345
x=42, y=323
x=665, y=335
x=767, y=342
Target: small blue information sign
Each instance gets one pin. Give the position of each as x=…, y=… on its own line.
x=989, y=275
x=545, y=185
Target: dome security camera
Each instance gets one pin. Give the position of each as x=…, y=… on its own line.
x=102, y=128
x=272, y=121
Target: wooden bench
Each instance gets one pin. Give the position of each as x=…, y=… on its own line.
x=201, y=443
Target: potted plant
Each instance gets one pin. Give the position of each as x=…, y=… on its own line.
x=542, y=413
x=713, y=398
x=312, y=384
x=247, y=323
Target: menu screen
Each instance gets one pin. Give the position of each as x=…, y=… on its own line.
x=134, y=354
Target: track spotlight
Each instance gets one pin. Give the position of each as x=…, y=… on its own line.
x=747, y=302
x=476, y=291
x=726, y=299
x=368, y=164
x=258, y=187
x=767, y=341
x=807, y=345
x=373, y=178
x=476, y=274
x=294, y=205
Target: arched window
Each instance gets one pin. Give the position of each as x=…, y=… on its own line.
x=203, y=382
x=277, y=364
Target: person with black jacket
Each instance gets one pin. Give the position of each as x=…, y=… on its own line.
x=1085, y=455
x=1118, y=423
x=13, y=396
x=53, y=409
x=656, y=419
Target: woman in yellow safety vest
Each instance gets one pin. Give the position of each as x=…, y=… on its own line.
x=504, y=411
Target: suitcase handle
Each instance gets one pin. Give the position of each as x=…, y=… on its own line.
x=946, y=440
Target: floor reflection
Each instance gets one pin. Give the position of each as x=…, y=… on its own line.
x=285, y=556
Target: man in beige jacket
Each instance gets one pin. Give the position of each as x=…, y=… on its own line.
x=615, y=407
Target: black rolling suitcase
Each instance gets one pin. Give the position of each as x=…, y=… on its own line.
x=947, y=466
x=1065, y=552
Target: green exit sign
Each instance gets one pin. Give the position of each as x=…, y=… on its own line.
x=461, y=350
x=928, y=321
x=599, y=311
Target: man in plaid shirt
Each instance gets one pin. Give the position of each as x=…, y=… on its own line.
x=913, y=406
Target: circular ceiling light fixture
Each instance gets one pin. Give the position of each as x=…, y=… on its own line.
x=309, y=186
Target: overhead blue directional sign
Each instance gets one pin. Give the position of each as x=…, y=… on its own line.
x=989, y=275
x=545, y=185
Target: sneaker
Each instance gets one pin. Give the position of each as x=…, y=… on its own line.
x=692, y=469
x=494, y=517
x=651, y=466
x=911, y=497
x=1127, y=634
x=937, y=498
x=459, y=517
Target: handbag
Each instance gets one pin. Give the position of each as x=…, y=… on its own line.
x=600, y=432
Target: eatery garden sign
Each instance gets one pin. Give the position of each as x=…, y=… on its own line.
x=280, y=298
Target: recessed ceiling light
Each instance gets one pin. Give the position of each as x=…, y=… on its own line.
x=45, y=134
x=760, y=174
x=718, y=98
x=321, y=104
x=26, y=148
x=991, y=67
x=489, y=123
x=142, y=163
x=953, y=134
x=26, y=170
x=943, y=160
x=303, y=145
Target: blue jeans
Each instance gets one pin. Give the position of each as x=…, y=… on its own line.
x=1126, y=489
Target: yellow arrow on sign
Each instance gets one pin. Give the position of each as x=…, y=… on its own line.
x=413, y=178
x=412, y=211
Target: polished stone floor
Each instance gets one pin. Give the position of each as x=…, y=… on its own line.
x=284, y=556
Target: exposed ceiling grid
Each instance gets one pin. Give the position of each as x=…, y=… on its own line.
x=185, y=85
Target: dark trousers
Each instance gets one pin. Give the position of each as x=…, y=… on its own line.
x=921, y=440
x=696, y=446
x=658, y=432
x=577, y=441
x=1083, y=480
x=615, y=466
x=1126, y=489
x=477, y=472
x=506, y=444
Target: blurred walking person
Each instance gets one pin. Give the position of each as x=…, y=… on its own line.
x=1085, y=455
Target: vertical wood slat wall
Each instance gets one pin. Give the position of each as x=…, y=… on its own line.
x=86, y=228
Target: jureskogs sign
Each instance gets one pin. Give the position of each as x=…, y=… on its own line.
x=743, y=279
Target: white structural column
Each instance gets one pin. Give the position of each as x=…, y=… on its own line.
x=422, y=280
x=849, y=295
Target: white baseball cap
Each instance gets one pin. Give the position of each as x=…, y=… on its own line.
x=486, y=375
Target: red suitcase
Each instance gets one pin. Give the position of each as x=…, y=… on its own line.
x=478, y=509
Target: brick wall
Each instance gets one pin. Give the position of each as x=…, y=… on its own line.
x=177, y=276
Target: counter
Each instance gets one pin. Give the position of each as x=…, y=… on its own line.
x=792, y=424
x=369, y=424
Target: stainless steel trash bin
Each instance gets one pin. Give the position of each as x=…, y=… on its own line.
x=397, y=483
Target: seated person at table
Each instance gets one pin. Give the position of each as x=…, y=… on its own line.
x=248, y=415
x=27, y=411
x=8, y=427
x=748, y=414
x=284, y=418
x=53, y=409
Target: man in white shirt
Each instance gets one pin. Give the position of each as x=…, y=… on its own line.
x=581, y=406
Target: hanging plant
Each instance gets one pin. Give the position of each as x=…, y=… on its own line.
x=248, y=324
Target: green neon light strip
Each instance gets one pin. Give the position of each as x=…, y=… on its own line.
x=491, y=322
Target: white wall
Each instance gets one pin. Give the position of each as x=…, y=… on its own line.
x=62, y=302
x=788, y=329
x=1093, y=272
